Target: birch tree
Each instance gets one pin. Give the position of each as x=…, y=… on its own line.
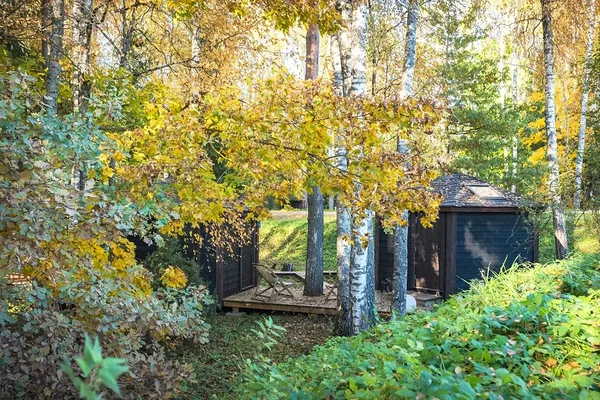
x=591, y=11
x=353, y=56
x=313, y=284
x=558, y=218
x=400, y=275
x=55, y=27
x=343, y=219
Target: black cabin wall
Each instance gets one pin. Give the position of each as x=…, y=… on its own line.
x=458, y=248
x=486, y=241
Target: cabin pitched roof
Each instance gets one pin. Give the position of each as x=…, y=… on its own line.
x=461, y=190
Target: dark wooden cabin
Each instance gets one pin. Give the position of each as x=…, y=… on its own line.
x=480, y=228
x=226, y=273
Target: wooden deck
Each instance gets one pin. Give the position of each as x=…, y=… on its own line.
x=313, y=305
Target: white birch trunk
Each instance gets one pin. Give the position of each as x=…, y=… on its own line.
x=584, y=103
x=515, y=99
x=558, y=219
x=343, y=220
x=400, y=274
x=353, y=62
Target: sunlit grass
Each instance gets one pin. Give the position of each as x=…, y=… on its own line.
x=283, y=240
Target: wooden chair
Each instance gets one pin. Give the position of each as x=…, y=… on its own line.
x=274, y=283
x=330, y=290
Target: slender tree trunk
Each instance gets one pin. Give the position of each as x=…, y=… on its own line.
x=338, y=75
x=515, y=138
x=343, y=220
x=410, y=49
x=566, y=112
x=56, y=13
x=558, y=219
x=584, y=103
x=400, y=274
x=82, y=36
x=313, y=284
x=46, y=24
x=196, y=53
x=126, y=34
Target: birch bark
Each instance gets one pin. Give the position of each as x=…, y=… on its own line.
x=353, y=61
x=591, y=7
x=343, y=220
x=400, y=274
x=558, y=219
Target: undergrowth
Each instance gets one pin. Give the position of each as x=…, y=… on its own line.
x=529, y=333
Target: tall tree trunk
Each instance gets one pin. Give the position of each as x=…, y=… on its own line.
x=343, y=219
x=584, y=103
x=82, y=36
x=313, y=284
x=410, y=50
x=362, y=292
x=56, y=13
x=126, y=33
x=46, y=24
x=558, y=218
x=515, y=99
x=353, y=62
x=400, y=274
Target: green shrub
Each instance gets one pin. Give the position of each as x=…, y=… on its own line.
x=51, y=325
x=171, y=253
x=526, y=334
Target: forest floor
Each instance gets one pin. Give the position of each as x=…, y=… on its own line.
x=219, y=363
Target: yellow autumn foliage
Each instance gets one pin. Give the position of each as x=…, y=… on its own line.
x=174, y=278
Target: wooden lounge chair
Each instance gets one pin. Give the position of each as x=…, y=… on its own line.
x=276, y=285
x=330, y=290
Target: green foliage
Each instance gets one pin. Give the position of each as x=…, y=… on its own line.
x=529, y=333
x=268, y=332
x=171, y=253
x=97, y=371
x=51, y=325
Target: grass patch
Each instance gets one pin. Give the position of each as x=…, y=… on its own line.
x=582, y=239
x=217, y=365
x=283, y=240
x=530, y=333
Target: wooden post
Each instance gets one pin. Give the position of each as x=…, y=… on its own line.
x=449, y=284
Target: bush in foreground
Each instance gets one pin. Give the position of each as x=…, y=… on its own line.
x=531, y=333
